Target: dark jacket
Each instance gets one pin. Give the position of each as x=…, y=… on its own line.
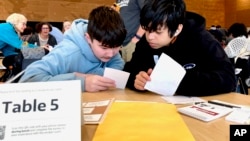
x=34, y=38
x=213, y=72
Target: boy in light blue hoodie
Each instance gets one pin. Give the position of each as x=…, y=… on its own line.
x=87, y=48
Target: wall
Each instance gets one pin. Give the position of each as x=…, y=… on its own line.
x=223, y=12
x=237, y=11
x=50, y=10
x=212, y=10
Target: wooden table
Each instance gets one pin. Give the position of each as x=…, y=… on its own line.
x=217, y=130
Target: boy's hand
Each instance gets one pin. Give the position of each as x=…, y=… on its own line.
x=141, y=78
x=95, y=83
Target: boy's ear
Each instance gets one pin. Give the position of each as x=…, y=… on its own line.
x=87, y=37
x=179, y=29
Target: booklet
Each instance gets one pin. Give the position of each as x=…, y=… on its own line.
x=205, y=111
x=40, y=111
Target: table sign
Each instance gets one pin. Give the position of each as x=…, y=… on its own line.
x=40, y=111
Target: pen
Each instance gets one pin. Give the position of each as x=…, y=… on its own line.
x=222, y=104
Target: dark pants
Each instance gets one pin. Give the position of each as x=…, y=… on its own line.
x=14, y=61
x=244, y=64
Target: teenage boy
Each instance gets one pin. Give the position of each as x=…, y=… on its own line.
x=182, y=36
x=87, y=48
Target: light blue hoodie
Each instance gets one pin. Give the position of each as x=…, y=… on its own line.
x=10, y=40
x=72, y=54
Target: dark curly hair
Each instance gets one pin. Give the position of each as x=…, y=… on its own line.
x=40, y=25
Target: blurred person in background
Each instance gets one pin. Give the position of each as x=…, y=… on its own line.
x=66, y=25
x=11, y=43
x=42, y=37
x=130, y=13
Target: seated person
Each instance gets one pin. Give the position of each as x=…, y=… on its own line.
x=11, y=43
x=43, y=36
x=87, y=48
x=218, y=36
x=182, y=36
x=236, y=30
x=66, y=26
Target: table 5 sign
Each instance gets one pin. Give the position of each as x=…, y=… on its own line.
x=26, y=106
x=41, y=111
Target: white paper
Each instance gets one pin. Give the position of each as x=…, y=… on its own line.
x=182, y=99
x=241, y=116
x=166, y=76
x=50, y=48
x=120, y=77
x=41, y=111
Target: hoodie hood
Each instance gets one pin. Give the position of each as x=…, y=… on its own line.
x=194, y=22
x=76, y=34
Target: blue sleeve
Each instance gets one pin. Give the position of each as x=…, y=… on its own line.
x=11, y=37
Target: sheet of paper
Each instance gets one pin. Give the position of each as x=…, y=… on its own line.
x=182, y=99
x=241, y=116
x=166, y=76
x=120, y=77
x=41, y=111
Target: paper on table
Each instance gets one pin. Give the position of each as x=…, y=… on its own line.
x=166, y=76
x=182, y=99
x=120, y=77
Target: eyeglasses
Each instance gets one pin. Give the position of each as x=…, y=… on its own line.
x=23, y=23
x=45, y=28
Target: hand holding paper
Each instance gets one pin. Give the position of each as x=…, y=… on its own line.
x=166, y=76
x=119, y=76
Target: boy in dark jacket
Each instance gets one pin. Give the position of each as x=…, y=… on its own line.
x=170, y=29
